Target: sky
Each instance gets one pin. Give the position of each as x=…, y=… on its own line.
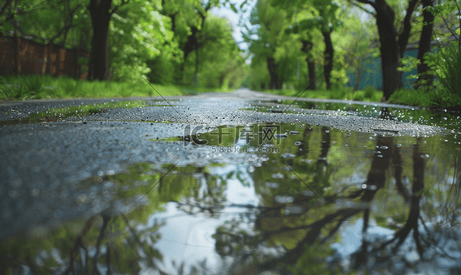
x=233, y=18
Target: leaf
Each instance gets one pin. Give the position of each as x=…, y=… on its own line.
x=243, y=4
x=233, y=8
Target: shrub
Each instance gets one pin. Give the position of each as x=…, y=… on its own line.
x=448, y=69
x=358, y=95
x=29, y=86
x=369, y=92
x=432, y=98
x=161, y=70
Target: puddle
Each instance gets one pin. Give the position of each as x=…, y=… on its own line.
x=443, y=117
x=308, y=199
x=57, y=114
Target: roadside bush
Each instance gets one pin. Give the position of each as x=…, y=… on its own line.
x=446, y=63
x=5, y=90
x=409, y=97
x=369, y=92
x=336, y=94
x=358, y=95
x=24, y=86
x=67, y=85
x=439, y=97
x=448, y=69
x=161, y=70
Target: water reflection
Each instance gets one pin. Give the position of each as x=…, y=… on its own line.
x=326, y=201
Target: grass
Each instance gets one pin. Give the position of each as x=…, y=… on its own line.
x=80, y=111
x=432, y=98
x=436, y=98
x=367, y=94
x=447, y=69
x=38, y=87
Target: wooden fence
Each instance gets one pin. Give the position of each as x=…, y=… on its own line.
x=36, y=58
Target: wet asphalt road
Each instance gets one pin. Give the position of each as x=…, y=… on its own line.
x=41, y=164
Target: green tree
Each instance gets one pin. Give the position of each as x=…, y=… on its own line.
x=272, y=43
x=187, y=21
x=42, y=21
x=311, y=15
x=392, y=43
x=101, y=12
x=358, y=42
x=139, y=35
x=448, y=60
x=425, y=77
x=222, y=63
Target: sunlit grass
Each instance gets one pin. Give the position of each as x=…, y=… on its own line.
x=43, y=87
x=426, y=98
x=368, y=94
x=56, y=114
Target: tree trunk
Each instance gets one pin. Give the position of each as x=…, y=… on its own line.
x=192, y=43
x=196, y=66
x=100, y=17
x=459, y=36
x=16, y=64
x=358, y=77
x=425, y=78
x=405, y=34
x=307, y=48
x=272, y=67
x=328, y=58
x=392, y=79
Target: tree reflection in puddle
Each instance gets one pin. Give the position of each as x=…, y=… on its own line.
x=326, y=202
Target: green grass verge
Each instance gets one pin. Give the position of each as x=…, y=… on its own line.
x=79, y=111
x=423, y=98
x=368, y=94
x=38, y=87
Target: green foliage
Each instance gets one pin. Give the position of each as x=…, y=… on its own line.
x=269, y=24
x=225, y=68
x=161, y=70
x=60, y=22
x=298, y=22
x=23, y=87
x=358, y=95
x=431, y=98
x=448, y=69
x=139, y=33
x=445, y=8
x=258, y=78
x=54, y=114
x=36, y=87
x=145, y=38
x=409, y=63
x=368, y=94
x=445, y=64
x=312, y=261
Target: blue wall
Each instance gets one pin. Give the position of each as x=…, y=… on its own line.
x=373, y=75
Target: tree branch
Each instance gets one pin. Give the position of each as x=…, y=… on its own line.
x=31, y=35
x=7, y=3
x=68, y=25
x=448, y=27
x=124, y=2
x=373, y=4
x=405, y=34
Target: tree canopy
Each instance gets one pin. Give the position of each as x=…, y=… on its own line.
x=313, y=44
